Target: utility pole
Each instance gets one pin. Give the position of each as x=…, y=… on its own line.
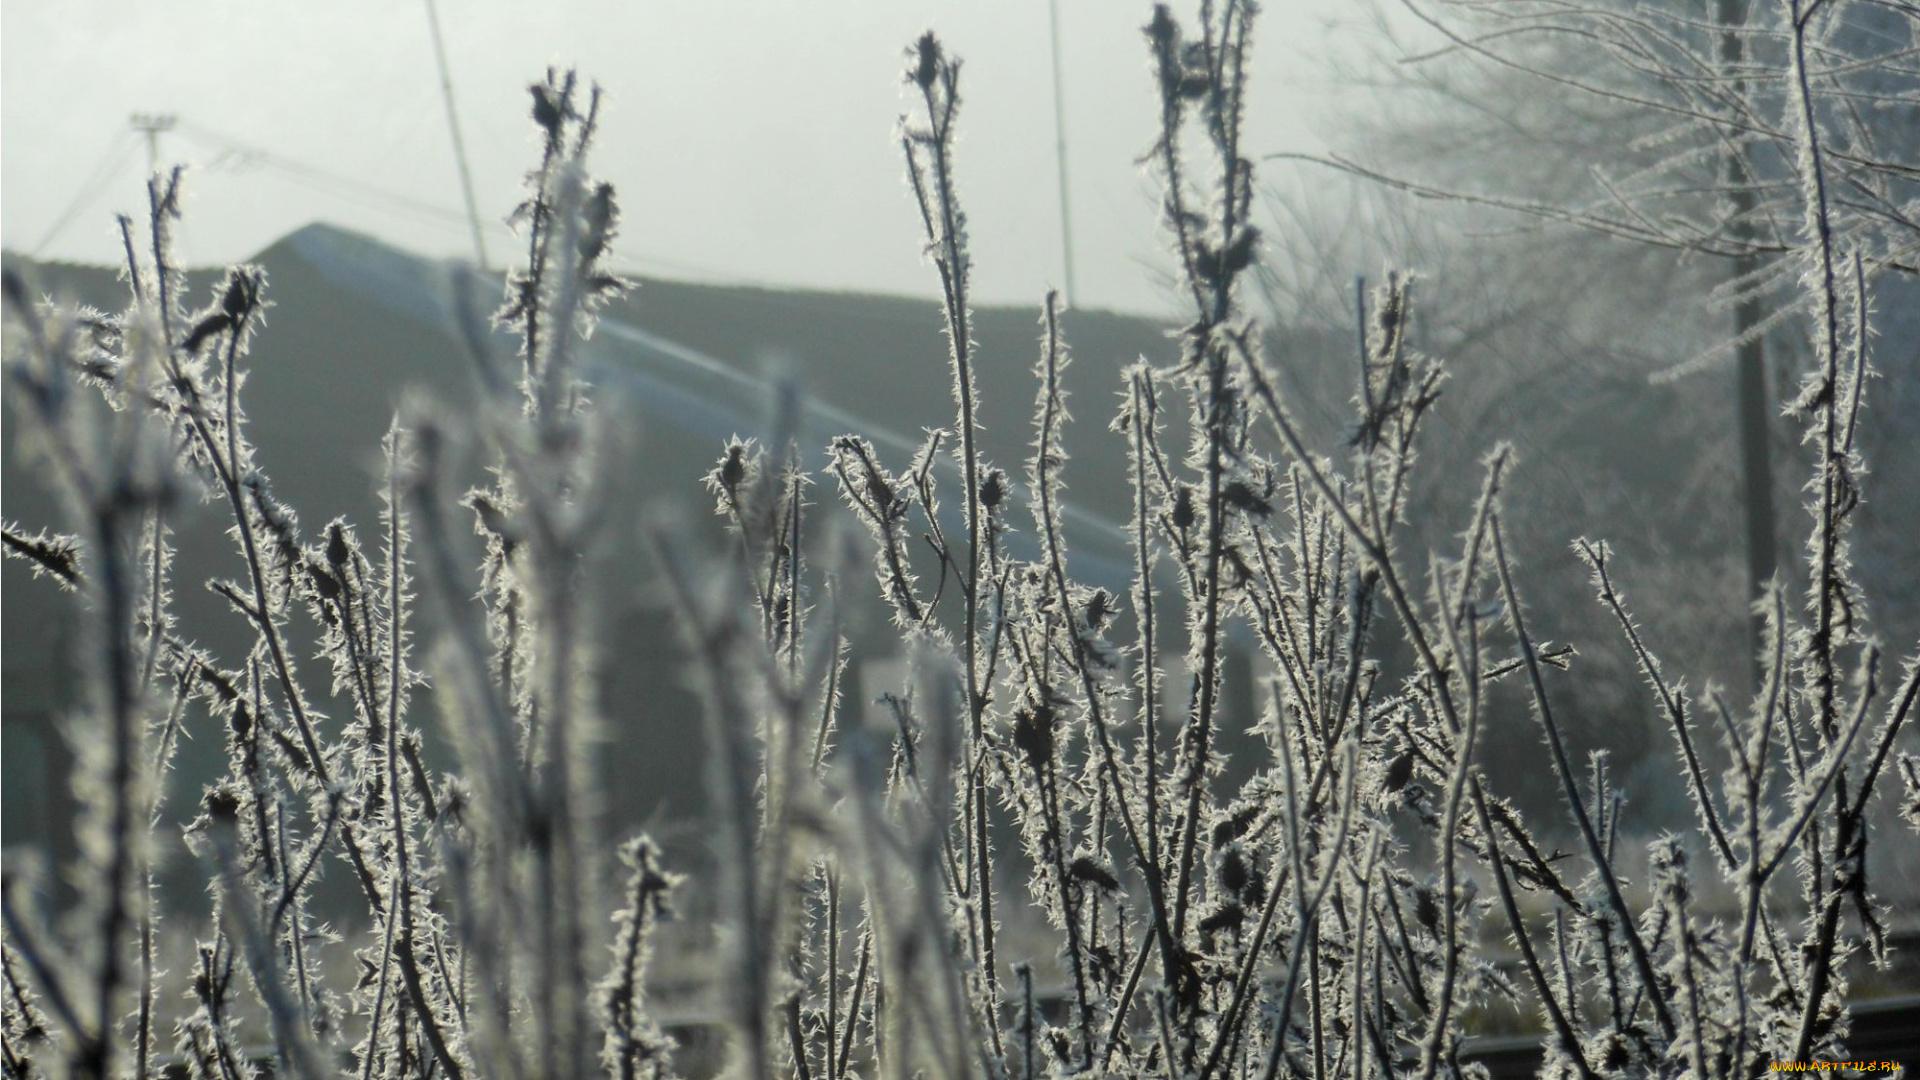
x=459, y=144
x=152, y=125
x=1060, y=148
x=1752, y=409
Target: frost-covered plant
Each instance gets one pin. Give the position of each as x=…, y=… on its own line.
x=1325, y=915
x=130, y=412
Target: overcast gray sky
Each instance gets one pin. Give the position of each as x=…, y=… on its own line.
x=751, y=140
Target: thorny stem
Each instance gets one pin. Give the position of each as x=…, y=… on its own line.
x=1570, y=790
x=1826, y=390
x=938, y=79
x=1595, y=556
x=1044, y=459
x=1210, y=278
x=227, y=468
x=1308, y=908
x=1441, y=1017
x=1556, y=1013
x=123, y=720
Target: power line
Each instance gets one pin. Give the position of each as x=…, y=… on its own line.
x=104, y=173
x=321, y=179
x=459, y=144
x=341, y=186
x=336, y=185
x=1060, y=147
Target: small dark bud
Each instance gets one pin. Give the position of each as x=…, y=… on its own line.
x=217, y=323
x=1162, y=30
x=1103, y=959
x=324, y=583
x=337, y=551
x=1235, y=827
x=492, y=521
x=1426, y=907
x=993, y=489
x=1228, y=916
x=599, y=214
x=457, y=800
x=734, y=468
x=1086, y=869
x=1399, y=771
x=927, y=63
x=293, y=752
x=222, y=686
x=1233, y=872
x=243, y=292
x=1183, y=508
x=546, y=108
x=1033, y=734
x=1242, y=497
x=222, y=806
x=1099, y=606
x=1239, y=254
x=1206, y=261
x=1391, y=308
x=879, y=491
